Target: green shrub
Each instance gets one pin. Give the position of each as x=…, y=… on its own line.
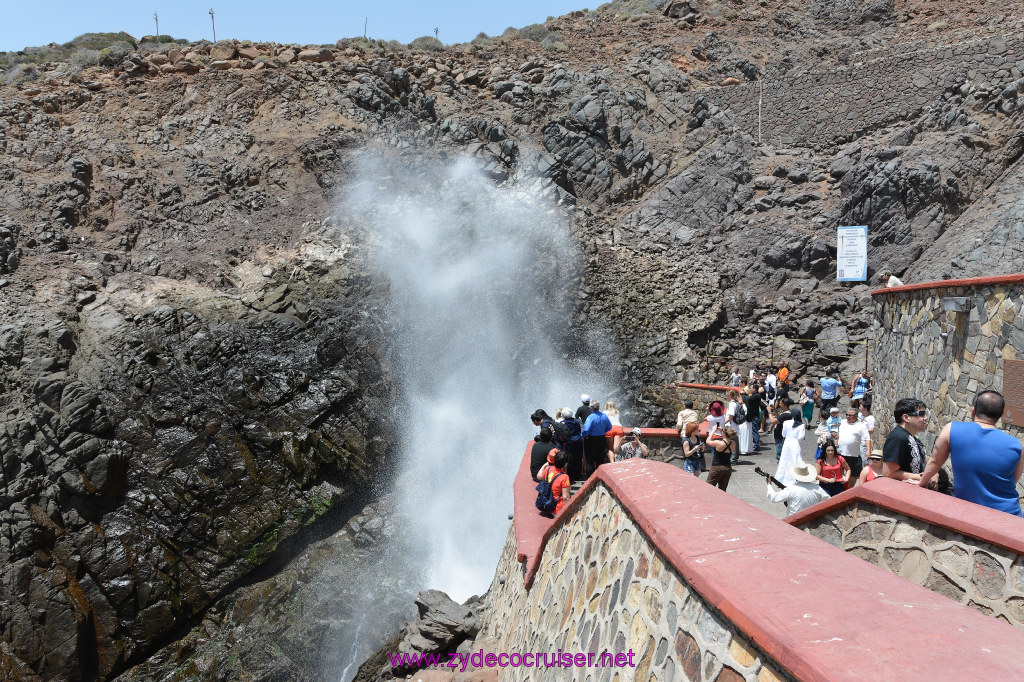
x=396, y=46
x=938, y=26
x=510, y=33
x=427, y=44
x=84, y=57
x=535, y=32
x=552, y=40
x=482, y=39
x=21, y=73
x=97, y=41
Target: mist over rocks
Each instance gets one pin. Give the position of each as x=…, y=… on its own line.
x=196, y=353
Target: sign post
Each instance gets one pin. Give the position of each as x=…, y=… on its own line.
x=852, y=254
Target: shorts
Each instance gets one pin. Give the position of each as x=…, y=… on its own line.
x=828, y=404
x=856, y=466
x=720, y=476
x=692, y=465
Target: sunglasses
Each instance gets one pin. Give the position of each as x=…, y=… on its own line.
x=922, y=413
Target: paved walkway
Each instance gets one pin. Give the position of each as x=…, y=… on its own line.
x=749, y=486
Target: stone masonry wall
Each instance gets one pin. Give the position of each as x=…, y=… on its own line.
x=912, y=359
x=977, y=574
x=673, y=397
x=602, y=587
x=829, y=107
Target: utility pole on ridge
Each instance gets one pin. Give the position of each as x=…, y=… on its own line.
x=214, y=25
x=157, y=20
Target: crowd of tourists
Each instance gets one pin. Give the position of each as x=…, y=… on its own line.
x=570, y=447
x=986, y=462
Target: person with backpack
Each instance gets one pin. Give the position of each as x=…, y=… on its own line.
x=574, y=446
x=736, y=416
x=559, y=432
x=553, y=490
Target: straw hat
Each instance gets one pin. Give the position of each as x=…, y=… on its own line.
x=804, y=472
x=875, y=454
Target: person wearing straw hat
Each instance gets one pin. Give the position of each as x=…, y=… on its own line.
x=804, y=492
x=874, y=468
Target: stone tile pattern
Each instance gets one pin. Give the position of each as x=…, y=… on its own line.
x=977, y=574
x=912, y=359
x=603, y=587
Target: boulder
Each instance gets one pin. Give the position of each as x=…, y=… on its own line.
x=317, y=55
x=223, y=49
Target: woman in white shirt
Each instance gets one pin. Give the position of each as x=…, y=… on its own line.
x=612, y=413
x=868, y=420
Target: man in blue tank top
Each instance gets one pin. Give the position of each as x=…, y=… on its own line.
x=986, y=462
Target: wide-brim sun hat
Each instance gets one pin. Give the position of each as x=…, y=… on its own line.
x=875, y=454
x=804, y=472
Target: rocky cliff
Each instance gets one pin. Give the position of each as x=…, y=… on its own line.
x=194, y=354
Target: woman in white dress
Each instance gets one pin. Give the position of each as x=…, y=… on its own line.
x=793, y=431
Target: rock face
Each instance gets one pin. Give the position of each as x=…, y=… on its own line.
x=194, y=353
x=154, y=454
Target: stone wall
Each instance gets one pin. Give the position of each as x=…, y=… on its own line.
x=672, y=397
x=602, y=587
x=913, y=358
x=970, y=571
x=699, y=585
x=828, y=107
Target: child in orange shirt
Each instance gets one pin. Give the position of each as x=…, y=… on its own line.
x=554, y=473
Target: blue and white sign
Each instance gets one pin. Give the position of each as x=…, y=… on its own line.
x=852, y=254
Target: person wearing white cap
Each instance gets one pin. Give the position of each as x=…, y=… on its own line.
x=584, y=410
x=631, y=446
x=804, y=492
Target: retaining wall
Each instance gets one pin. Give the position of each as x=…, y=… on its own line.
x=674, y=395
x=971, y=554
x=913, y=359
x=700, y=585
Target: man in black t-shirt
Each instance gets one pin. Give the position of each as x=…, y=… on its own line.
x=753, y=404
x=539, y=453
x=584, y=410
x=903, y=455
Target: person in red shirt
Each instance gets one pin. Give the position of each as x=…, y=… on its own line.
x=554, y=472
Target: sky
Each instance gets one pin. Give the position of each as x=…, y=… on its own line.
x=30, y=23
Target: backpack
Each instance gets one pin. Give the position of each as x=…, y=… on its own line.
x=560, y=432
x=740, y=416
x=769, y=391
x=546, y=500
x=575, y=429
